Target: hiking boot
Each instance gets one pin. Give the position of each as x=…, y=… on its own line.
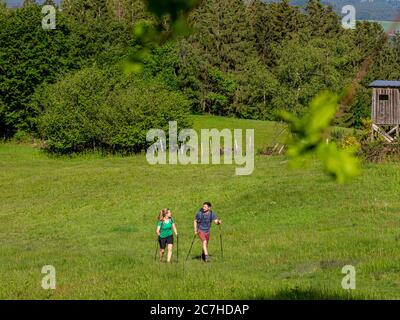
x=203, y=256
x=206, y=259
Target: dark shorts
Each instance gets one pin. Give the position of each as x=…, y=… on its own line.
x=164, y=241
x=204, y=236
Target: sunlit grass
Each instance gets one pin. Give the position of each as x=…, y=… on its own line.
x=287, y=234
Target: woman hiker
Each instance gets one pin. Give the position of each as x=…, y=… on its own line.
x=165, y=229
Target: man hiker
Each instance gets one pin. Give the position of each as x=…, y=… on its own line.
x=202, y=225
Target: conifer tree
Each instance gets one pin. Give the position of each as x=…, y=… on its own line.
x=322, y=21
x=273, y=23
x=222, y=46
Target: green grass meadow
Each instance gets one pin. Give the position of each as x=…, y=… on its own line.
x=388, y=25
x=286, y=233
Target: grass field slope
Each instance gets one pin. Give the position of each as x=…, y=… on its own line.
x=286, y=234
x=388, y=26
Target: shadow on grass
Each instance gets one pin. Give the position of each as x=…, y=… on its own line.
x=200, y=258
x=308, y=294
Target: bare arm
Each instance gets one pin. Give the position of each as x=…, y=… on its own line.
x=195, y=226
x=175, y=230
x=158, y=231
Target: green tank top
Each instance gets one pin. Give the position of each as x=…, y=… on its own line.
x=165, y=228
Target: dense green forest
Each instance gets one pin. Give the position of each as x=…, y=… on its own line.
x=248, y=60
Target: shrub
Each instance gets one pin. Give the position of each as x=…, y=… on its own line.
x=378, y=151
x=346, y=140
x=21, y=136
x=349, y=142
x=336, y=135
x=95, y=109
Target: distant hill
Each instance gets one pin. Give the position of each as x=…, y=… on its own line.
x=386, y=10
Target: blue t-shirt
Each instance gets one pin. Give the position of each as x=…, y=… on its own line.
x=204, y=220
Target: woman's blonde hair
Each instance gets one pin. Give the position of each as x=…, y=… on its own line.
x=162, y=214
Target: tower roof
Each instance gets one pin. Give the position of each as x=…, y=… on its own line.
x=384, y=84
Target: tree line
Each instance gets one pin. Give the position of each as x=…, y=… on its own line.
x=241, y=59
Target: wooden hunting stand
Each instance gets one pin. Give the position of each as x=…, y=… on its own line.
x=385, y=111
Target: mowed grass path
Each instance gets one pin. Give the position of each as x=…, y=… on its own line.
x=287, y=234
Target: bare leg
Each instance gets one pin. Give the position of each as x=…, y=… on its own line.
x=205, y=247
x=169, y=252
x=161, y=254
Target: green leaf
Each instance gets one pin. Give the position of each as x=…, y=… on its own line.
x=340, y=164
x=308, y=139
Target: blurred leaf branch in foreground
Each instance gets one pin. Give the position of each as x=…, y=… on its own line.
x=308, y=139
x=170, y=22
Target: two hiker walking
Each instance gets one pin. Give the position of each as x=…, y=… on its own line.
x=202, y=225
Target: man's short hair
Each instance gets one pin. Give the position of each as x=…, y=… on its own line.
x=208, y=204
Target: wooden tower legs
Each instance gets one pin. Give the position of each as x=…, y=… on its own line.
x=390, y=136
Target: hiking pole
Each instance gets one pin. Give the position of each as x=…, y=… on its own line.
x=220, y=238
x=155, y=255
x=187, y=257
x=177, y=248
